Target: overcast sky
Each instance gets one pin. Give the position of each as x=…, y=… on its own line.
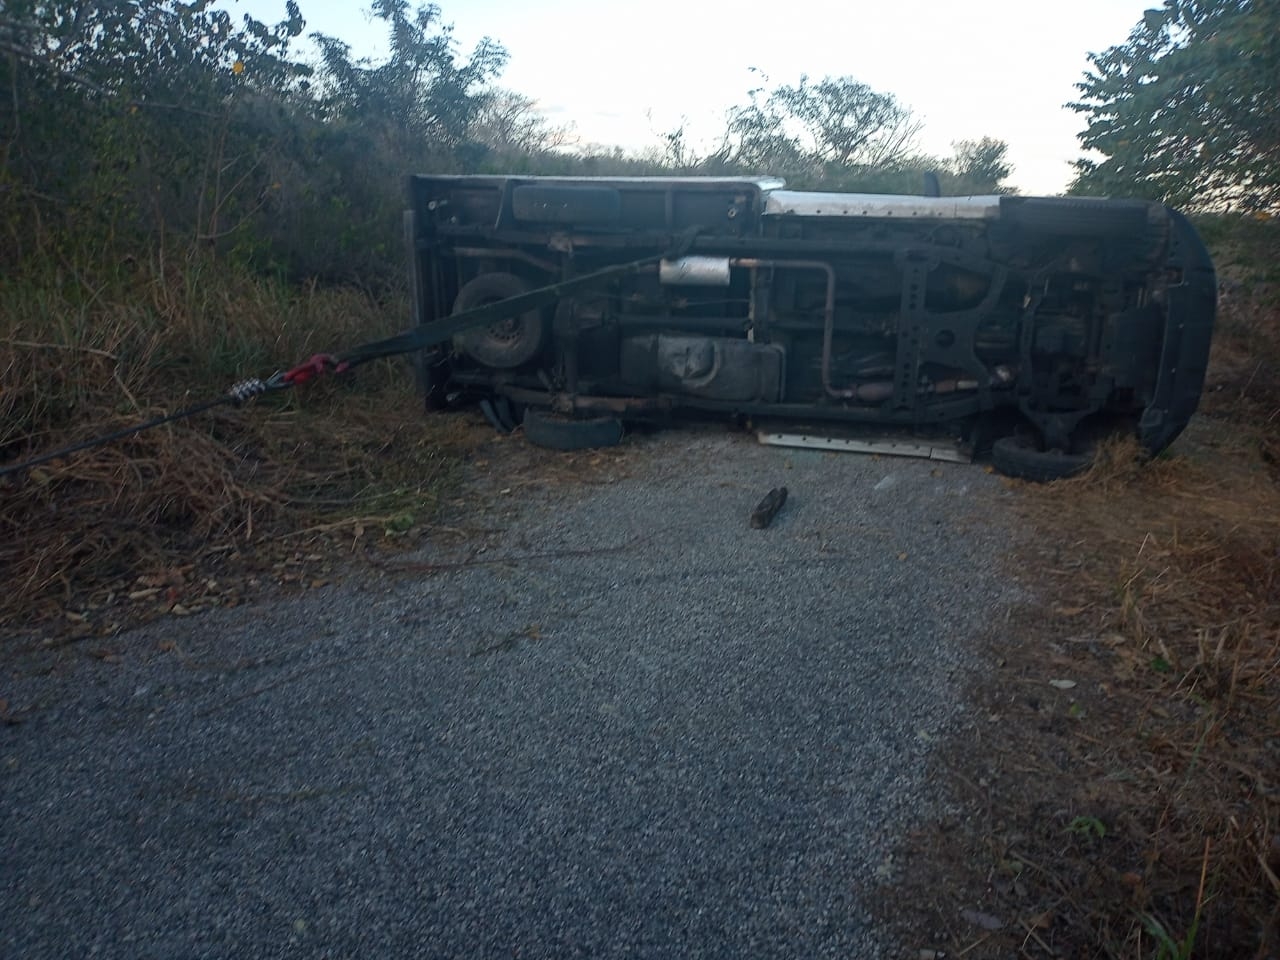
x=624, y=73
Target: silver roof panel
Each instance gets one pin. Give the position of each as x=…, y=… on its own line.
x=881, y=206
x=761, y=183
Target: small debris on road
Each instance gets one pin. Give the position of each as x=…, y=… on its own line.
x=768, y=508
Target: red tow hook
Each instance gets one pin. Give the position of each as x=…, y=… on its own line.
x=317, y=366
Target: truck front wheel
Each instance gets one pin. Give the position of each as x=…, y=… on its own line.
x=545, y=429
x=1016, y=456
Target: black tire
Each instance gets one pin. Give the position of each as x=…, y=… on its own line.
x=1017, y=457
x=1080, y=216
x=555, y=432
x=508, y=343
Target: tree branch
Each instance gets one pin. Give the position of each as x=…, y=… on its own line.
x=40, y=60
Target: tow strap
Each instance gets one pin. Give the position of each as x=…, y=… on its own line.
x=418, y=338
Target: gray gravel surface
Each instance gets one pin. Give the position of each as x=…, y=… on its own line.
x=638, y=728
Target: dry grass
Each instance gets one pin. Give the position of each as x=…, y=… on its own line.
x=238, y=496
x=1168, y=622
x=1119, y=792
x=196, y=512
x=1122, y=785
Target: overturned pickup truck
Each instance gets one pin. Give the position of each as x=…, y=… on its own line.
x=1025, y=327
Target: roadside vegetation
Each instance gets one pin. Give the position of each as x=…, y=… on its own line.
x=188, y=198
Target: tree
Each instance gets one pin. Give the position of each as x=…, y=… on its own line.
x=163, y=102
x=421, y=93
x=756, y=137
x=509, y=122
x=834, y=125
x=421, y=108
x=1184, y=110
x=982, y=165
x=847, y=124
x=149, y=51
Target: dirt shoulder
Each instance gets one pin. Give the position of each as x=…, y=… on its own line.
x=1117, y=793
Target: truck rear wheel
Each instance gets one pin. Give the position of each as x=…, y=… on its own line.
x=510, y=342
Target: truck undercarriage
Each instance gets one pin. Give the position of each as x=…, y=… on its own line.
x=1042, y=324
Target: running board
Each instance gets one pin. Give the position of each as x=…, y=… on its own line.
x=888, y=447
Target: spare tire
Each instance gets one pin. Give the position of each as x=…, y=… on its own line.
x=545, y=429
x=510, y=342
x=1018, y=457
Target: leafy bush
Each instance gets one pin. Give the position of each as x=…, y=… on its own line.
x=1184, y=110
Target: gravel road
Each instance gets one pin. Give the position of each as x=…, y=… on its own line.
x=638, y=728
